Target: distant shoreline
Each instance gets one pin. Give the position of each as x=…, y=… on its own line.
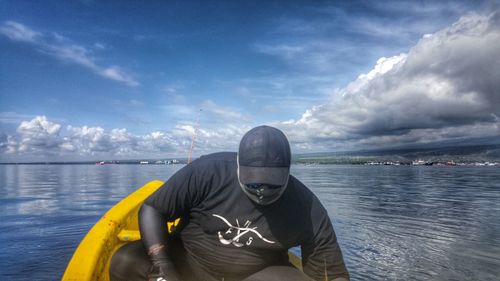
x=462, y=155
x=307, y=162
x=78, y=163
x=102, y=163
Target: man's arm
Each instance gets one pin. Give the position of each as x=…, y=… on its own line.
x=171, y=201
x=321, y=255
x=153, y=228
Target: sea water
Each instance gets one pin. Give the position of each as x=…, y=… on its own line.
x=392, y=222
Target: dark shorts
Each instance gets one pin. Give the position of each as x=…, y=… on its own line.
x=132, y=263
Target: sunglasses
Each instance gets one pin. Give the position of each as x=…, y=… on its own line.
x=263, y=185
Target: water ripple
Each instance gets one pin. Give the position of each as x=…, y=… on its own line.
x=393, y=223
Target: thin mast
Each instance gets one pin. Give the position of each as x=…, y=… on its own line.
x=193, y=140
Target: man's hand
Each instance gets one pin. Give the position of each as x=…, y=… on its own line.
x=163, y=271
x=157, y=279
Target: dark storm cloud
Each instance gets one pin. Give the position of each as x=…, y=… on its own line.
x=448, y=82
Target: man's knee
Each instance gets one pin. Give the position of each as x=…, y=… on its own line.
x=278, y=273
x=130, y=262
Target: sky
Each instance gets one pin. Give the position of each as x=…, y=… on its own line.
x=92, y=80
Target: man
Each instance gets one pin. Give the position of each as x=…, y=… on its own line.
x=240, y=213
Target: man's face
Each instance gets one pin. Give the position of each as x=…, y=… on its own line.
x=262, y=193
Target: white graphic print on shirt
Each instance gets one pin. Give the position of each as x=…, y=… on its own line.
x=240, y=232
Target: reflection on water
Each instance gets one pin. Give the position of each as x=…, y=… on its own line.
x=393, y=222
x=413, y=223
x=47, y=209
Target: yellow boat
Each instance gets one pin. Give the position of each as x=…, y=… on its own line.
x=116, y=228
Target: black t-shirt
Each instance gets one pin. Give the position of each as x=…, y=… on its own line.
x=228, y=234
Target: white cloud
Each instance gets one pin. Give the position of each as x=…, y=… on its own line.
x=284, y=95
x=224, y=138
x=173, y=88
x=38, y=135
x=18, y=32
x=100, y=46
x=320, y=55
x=8, y=146
x=39, y=126
x=286, y=51
x=115, y=73
x=41, y=138
x=71, y=53
x=89, y=140
x=339, y=40
x=222, y=113
x=430, y=8
x=62, y=48
x=383, y=65
x=447, y=82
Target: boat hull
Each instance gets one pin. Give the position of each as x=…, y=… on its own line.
x=117, y=227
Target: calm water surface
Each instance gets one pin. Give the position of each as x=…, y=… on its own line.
x=393, y=222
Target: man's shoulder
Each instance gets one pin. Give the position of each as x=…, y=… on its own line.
x=297, y=184
x=215, y=162
x=300, y=192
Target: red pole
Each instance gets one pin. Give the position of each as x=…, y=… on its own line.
x=193, y=140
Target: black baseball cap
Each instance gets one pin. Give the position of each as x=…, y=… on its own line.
x=264, y=156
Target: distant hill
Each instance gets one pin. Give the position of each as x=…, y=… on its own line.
x=486, y=149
